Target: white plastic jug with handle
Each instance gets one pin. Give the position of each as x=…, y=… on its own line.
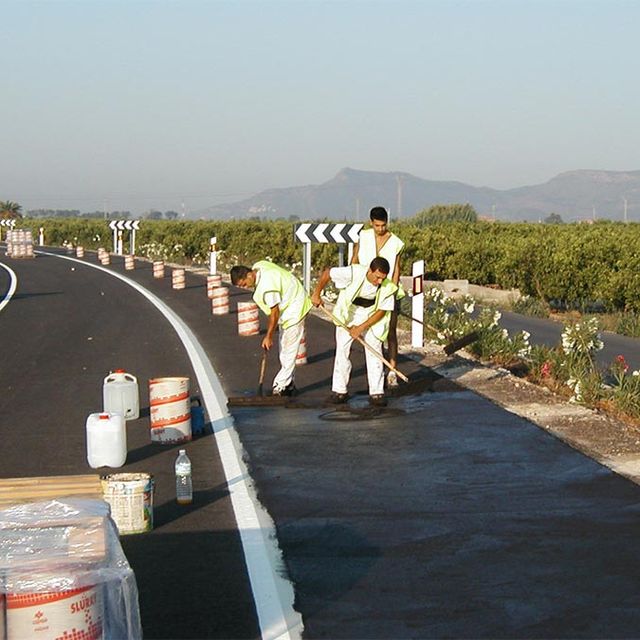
x=120, y=394
x=106, y=440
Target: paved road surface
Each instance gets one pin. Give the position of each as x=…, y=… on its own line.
x=443, y=516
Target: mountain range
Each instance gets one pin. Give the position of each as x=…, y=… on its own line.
x=573, y=195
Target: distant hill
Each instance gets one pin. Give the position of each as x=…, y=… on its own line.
x=574, y=195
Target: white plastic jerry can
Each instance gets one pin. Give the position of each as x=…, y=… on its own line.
x=106, y=440
x=120, y=394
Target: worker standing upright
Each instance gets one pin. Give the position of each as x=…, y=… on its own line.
x=380, y=241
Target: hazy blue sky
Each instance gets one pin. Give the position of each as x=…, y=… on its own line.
x=139, y=105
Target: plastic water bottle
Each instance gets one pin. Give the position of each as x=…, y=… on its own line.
x=184, y=486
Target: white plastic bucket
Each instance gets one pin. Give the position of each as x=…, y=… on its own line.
x=213, y=282
x=248, y=319
x=129, y=263
x=120, y=394
x=79, y=252
x=106, y=440
x=130, y=496
x=220, y=301
x=74, y=614
x=170, y=410
x=178, y=279
x=158, y=269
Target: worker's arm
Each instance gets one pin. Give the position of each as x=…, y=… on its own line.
x=323, y=281
x=357, y=330
x=274, y=316
x=354, y=255
x=395, y=278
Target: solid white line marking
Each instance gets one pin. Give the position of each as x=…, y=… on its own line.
x=13, y=285
x=273, y=595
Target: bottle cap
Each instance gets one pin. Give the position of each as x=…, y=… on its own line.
x=183, y=451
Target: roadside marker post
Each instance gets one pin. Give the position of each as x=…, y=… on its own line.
x=213, y=264
x=417, y=305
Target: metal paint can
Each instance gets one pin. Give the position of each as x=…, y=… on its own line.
x=130, y=496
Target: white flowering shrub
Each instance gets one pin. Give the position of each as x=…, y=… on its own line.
x=582, y=338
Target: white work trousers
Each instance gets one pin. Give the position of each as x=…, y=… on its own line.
x=288, y=343
x=342, y=363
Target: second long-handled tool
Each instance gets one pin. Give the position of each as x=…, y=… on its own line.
x=263, y=369
x=451, y=347
x=366, y=346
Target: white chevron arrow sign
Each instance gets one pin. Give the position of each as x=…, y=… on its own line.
x=121, y=225
x=340, y=233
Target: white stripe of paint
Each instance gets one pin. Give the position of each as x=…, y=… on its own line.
x=13, y=285
x=273, y=595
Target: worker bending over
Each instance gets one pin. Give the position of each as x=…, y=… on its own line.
x=281, y=296
x=364, y=305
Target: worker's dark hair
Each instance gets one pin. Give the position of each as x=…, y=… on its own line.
x=237, y=273
x=380, y=264
x=379, y=213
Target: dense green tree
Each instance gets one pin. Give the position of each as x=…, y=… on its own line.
x=440, y=213
x=9, y=209
x=553, y=218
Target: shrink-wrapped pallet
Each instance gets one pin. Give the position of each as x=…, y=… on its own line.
x=63, y=572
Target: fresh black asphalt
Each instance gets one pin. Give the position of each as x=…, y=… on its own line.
x=442, y=517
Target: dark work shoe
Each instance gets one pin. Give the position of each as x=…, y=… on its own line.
x=378, y=400
x=288, y=391
x=338, y=398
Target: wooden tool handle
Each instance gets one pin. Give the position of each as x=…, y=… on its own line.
x=367, y=346
x=263, y=367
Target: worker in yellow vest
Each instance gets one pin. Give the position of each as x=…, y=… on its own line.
x=379, y=241
x=281, y=296
x=364, y=305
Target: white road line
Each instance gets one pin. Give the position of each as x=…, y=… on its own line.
x=273, y=595
x=13, y=285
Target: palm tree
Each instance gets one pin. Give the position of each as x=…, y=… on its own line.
x=10, y=209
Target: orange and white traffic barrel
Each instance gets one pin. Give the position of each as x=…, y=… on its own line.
x=213, y=282
x=170, y=410
x=220, y=301
x=129, y=263
x=101, y=252
x=105, y=258
x=178, y=279
x=301, y=356
x=248, y=319
x=79, y=252
x=158, y=269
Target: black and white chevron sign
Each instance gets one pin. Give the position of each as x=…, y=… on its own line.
x=323, y=232
x=8, y=222
x=121, y=225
